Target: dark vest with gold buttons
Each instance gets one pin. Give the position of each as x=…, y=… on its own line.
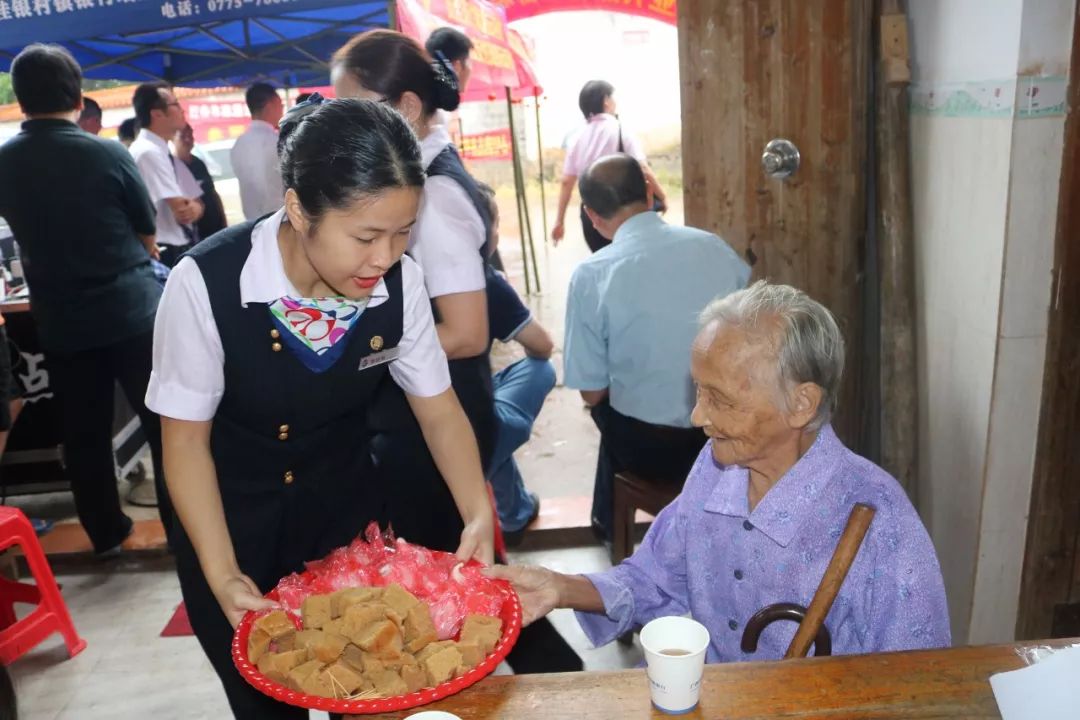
x=291, y=446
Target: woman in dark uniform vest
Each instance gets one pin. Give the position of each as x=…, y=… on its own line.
x=448, y=242
x=451, y=243
x=271, y=340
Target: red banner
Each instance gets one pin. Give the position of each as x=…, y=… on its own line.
x=212, y=121
x=494, y=145
x=482, y=21
x=662, y=10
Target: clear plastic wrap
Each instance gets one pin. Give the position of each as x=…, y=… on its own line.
x=1037, y=653
x=453, y=590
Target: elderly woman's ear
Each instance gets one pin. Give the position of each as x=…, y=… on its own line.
x=803, y=405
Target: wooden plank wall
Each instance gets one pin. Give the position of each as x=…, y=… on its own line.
x=753, y=71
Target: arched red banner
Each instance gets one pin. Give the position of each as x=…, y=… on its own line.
x=662, y=10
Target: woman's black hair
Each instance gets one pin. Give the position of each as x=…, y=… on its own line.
x=391, y=64
x=346, y=149
x=592, y=97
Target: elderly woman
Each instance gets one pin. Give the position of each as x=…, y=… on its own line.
x=765, y=503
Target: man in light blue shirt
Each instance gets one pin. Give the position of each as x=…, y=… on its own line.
x=631, y=318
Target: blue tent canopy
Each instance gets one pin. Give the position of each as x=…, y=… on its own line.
x=195, y=43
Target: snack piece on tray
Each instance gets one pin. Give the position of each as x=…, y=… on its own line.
x=419, y=628
x=378, y=636
x=318, y=683
x=346, y=679
x=342, y=600
x=284, y=643
x=335, y=626
x=414, y=676
x=483, y=630
x=388, y=683
x=360, y=617
x=315, y=611
x=301, y=672
x=329, y=647
x=396, y=662
x=399, y=599
x=275, y=624
x=353, y=657
x=276, y=666
x=433, y=648
x=442, y=665
x=471, y=655
x=258, y=644
x=372, y=664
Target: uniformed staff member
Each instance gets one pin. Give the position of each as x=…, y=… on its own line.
x=271, y=339
x=448, y=242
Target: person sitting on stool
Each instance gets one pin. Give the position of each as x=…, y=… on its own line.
x=630, y=320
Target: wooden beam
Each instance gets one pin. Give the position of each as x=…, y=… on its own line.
x=1051, y=559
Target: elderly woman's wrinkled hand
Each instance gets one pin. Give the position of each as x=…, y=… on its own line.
x=537, y=587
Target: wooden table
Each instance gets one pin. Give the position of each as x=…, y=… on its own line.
x=925, y=684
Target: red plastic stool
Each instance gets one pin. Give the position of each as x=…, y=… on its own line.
x=17, y=637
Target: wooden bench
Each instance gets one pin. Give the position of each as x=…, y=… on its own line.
x=633, y=493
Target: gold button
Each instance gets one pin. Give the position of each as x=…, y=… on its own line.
x=276, y=347
x=283, y=429
x=288, y=477
x=377, y=342
x=275, y=334
x=283, y=436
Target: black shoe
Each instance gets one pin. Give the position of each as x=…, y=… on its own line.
x=513, y=538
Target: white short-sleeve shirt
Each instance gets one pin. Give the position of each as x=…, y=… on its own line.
x=254, y=159
x=449, y=234
x=165, y=178
x=188, y=380
x=598, y=138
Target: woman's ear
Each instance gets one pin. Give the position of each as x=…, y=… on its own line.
x=411, y=107
x=295, y=212
x=804, y=402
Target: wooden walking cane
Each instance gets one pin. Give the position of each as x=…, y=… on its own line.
x=812, y=628
x=850, y=542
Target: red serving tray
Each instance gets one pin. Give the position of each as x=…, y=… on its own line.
x=511, y=619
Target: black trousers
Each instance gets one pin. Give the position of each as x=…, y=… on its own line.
x=652, y=451
x=593, y=239
x=84, y=383
x=171, y=254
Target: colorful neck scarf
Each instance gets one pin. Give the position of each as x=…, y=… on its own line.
x=318, y=324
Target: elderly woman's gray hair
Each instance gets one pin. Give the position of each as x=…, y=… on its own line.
x=808, y=342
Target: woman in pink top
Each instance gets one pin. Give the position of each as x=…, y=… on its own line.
x=602, y=136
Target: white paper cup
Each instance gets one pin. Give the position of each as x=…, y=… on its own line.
x=675, y=680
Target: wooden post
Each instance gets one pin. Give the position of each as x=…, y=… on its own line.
x=540, y=162
x=519, y=193
x=896, y=256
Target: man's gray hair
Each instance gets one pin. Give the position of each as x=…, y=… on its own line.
x=809, y=346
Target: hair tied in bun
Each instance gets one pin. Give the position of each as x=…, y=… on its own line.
x=447, y=92
x=299, y=111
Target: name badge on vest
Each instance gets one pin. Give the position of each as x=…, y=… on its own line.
x=379, y=358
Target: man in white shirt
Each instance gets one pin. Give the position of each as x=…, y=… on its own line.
x=173, y=190
x=254, y=156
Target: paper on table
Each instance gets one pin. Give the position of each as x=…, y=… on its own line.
x=1047, y=690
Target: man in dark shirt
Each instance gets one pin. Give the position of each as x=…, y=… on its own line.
x=85, y=227
x=213, y=218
